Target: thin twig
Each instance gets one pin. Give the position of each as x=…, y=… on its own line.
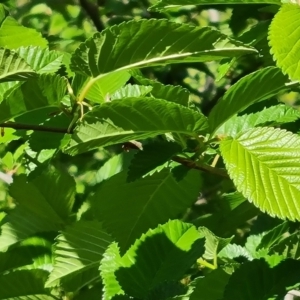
x=20, y=126
x=93, y=12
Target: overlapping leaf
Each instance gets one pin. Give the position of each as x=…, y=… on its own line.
x=171, y=4
x=145, y=203
x=45, y=91
x=41, y=60
x=24, y=284
x=264, y=164
x=79, y=249
x=13, y=67
x=131, y=91
x=248, y=90
x=274, y=115
x=148, y=43
x=171, y=248
x=286, y=27
x=133, y=118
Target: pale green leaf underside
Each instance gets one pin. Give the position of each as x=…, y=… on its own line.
x=145, y=203
x=171, y=4
x=274, y=115
x=133, y=118
x=248, y=90
x=137, y=44
x=41, y=60
x=78, y=248
x=131, y=91
x=284, y=36
x=13, y=35
x=264, y=164
x=13, y=67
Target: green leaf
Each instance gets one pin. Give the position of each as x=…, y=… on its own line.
x=45, y=91
x=273, y=236
x=211, y=287
x=137, y=44
x=171, y=248
x=171, y=93
x=232, y=251
x=146, y=160
x=131, y=91
x=213, y=244
x=78, y=249
x=13, y=67
x=264, y=164
x=6, y=88
x=41, y=60
x=110, y=262
x=145, y=203
x=271, y=116
x=248, y=90
x=123, y=120
x=92, y=294
x=289, y=246
x=24, y=284
x=176, y=4
x=41, y=207
x=107, y=85
x=286, y=26
x=13, y=35
x=265, y=282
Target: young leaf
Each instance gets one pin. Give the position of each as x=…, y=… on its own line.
x=41, y=60
x=146, y=160
x=274, y=115
x=149, y=43
x=13, y=67
x=213, y=244
x=171, y=248
x=285, y=27
x=264, y=164
x=78, y=249
x=232, y=251
x=110, y=262
x=211, y=287
x=248, y=90
x=131, y=91
x=21, y=284
x=127, y=119
x=162, y=5
x=145, y=203
x=13, y=35
x=265, y=282
x=45, y=91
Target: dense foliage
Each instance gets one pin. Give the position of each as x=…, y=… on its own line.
x=149, y=149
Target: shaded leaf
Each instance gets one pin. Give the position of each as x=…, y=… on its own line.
x=123, y=120
x=171, y=248
x=78, y=249
x=145, y=203
x=273, y=157
x=248, y=90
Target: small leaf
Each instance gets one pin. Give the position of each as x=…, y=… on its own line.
x=286, y=26
x=131, y=91
x=13, y=67
x=79, y=248
x=264, y=164
x=178, y=244
x=145, y=203
x=128, y=119
x=248, y=90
